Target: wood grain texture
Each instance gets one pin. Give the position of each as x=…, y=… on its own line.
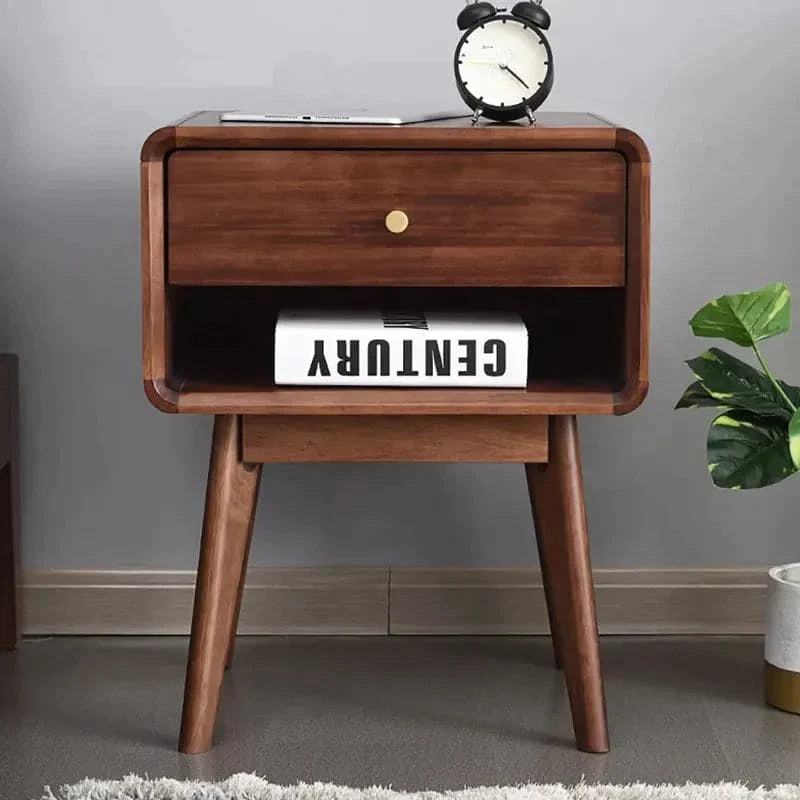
x=572, y=134
x=484, y=439
x=550, y=578
x=156, y=341
x=540, y=399
x=237, y=610
x=9, y=500
x=318, y=218
x=230, y=506
x=557, y=490
x=637, y=284
x=553, y=131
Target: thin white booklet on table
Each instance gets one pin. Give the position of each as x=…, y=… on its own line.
x=380, y=348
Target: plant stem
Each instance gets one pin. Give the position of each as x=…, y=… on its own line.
x=778, y=387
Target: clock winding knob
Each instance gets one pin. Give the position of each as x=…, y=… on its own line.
x=397, y=221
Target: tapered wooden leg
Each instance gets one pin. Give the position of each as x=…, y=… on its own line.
x=230, y=505
x=238, y=609
x=548, y=580
x=557, y=491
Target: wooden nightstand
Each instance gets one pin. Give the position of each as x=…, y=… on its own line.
x=551, y=221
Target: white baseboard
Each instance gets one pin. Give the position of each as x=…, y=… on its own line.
x=381, y=600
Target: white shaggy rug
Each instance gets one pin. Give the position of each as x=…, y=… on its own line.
x=249, y=787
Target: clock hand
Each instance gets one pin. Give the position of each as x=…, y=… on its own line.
x=511, y=71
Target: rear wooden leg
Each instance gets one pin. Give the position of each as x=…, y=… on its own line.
x=230, y=506
x=557, y=491
x=238, y=609
x=548, y=580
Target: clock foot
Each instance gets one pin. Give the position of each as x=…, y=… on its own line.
x=476, y=116
x=530, y=115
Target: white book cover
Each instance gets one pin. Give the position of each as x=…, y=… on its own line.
x=374, y=348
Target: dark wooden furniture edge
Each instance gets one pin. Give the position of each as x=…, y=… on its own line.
x=606, y=136
x=163, y=141
x=9, y=500
x=161, y=396
x=637, y=286
x=290, y=401
x=159, y=144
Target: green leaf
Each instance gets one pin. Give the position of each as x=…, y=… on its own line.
x=792, y=392
x=697, y=396
x=746, y=451
x=794, y=439
x=732, y=383
x=746, y=319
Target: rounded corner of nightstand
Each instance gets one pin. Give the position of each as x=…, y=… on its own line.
x=159, y=144
x=632, y=146
x=160, y=395
x=630, y=398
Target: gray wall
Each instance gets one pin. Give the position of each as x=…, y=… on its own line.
x=108, y=481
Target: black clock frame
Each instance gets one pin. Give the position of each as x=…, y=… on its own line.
x=505, y=113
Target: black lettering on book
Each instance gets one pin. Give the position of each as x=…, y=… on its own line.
x=499, y=348
x=348, y=358
x=378, y=349
x=469, y=359
x=437, y=360
x=319, y=362
x=408, y=354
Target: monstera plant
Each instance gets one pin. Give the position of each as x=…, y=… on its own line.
x=755, y=442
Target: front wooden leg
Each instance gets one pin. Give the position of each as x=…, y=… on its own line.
x=557, y=492
x=231, y=496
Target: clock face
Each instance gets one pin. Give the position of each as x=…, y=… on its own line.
x=504, y=63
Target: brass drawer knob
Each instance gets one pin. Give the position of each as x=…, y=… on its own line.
x=397, y=221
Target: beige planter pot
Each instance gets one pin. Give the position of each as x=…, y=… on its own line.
x=782, y=677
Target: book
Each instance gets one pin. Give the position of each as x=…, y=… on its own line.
x=380, y=348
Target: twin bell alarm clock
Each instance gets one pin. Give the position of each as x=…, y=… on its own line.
x=503, y=63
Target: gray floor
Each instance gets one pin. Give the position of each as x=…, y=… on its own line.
x=414, y=713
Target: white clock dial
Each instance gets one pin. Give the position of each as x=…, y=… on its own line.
x=503, y=62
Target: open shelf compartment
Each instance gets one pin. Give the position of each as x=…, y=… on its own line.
x=221, y=350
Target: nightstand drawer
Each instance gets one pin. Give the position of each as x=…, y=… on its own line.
x=396, y=217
